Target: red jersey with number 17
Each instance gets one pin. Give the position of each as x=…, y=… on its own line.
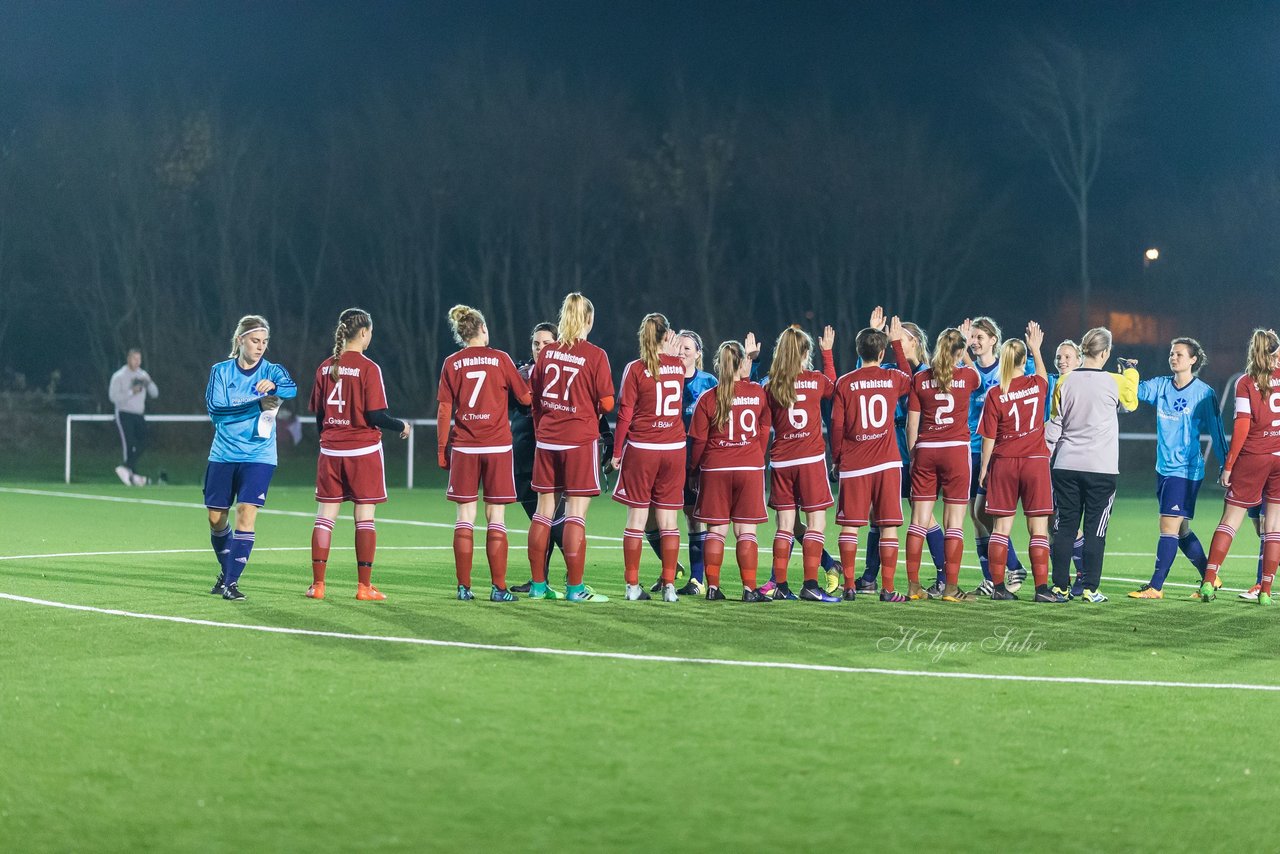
x=863, y=435
x=1015, y=418
x=343, y=403
x=476, y=382
x=944, y=415
x=569, y=381
x=648, y=410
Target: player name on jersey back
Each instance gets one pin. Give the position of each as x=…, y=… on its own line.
x=477, y=382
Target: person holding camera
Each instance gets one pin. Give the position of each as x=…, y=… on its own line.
x=129, y=389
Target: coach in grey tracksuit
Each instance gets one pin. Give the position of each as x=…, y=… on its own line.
x=130, y=387
x=1086, y=458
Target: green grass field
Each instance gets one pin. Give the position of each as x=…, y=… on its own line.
x=123, y=733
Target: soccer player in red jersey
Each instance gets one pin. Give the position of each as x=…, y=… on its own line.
x=475, y=383
x=350, y=404
x=864, y=446
x=730, y=430
x=938, y=441
x=1252, y=472
x=798, y=459
x=1015, y=462
x=571, y=388
x=650, y=452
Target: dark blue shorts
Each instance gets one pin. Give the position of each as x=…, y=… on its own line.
x=247, y=483
x=1177, y=495
x=974, y=489
x=1256, y=512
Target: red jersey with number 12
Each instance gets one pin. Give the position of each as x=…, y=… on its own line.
x=649, y=411
x=569, y=381
x=1015, y=419
x=863, y=435
x=476, y=382
x=342, y=403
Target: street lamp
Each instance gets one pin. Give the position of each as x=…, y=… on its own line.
x=1150, y=255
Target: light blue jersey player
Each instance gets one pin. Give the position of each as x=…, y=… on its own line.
x=1186, y=408
x=243, y=395
x=696, y=381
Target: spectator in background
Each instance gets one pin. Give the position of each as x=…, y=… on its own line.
x=130, y=387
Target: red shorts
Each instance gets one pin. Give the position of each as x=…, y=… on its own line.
x=877, y=492
x=800, y=484
x=651, y=478
x=1255, y=478
x=726, y=495
x=358, y=478
x=1012, y=478
x=574, y=471
x=469, y=470
x=945, y=469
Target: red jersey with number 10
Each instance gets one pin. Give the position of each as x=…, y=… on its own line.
x=342, y=403
x=569, y=381
x=1015, y=419
x=740, y=443
x=649, y=411
x=944, y=415
x=476, y=382
x=863, y=435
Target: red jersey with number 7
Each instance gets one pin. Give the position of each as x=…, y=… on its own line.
x=569, y=382
x=476, y=382
x=863, y=435
x=649, y=410
x=343, y=403
x=1015, y=418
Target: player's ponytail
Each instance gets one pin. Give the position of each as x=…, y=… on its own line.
x=1263, y=347
x=792, y=354
x=729, y=358
x=697, y=343
x=350, y=322
x=1096, y=342
x=1194, y=351
x=918, y=335
x=1013, y=362
x=248, y=323
x=576, y=315
x=466, y=323
x=950, y=344
x=653, y=329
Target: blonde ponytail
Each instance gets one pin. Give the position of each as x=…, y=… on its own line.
x=653, y=329
x=729, y=358
x=792, y=354
x=576, y=314
x=465, y=323
x=1013, y=362
x=950, y=344
x=1262, y=356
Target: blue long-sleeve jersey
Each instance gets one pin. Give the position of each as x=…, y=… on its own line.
x=987, y=377
x=233, y=407
x=1182, y=415
x=694, y=386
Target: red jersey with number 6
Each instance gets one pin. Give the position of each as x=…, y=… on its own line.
x=862, y=429
x=797, y=430
x=649, y=411
x=343, y=403
x=569, y=381
x=940, y=425
x=476, y=382
x=1015, y=418
x=740, y=442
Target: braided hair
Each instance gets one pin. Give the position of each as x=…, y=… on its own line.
x=350, y=322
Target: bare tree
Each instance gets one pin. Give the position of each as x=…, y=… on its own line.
x=1067, y=100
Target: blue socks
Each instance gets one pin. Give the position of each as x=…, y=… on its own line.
x=697, y=569
x=220, y=548
x=982, y=543
x=937, y=551
x=871, y=561
x=1166, y=551
x=655, y=541
x=241, y=546
x=1077, y=554
x=1194, y=551
x=1260, y=547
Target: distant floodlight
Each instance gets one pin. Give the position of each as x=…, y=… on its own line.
x=1152, y=254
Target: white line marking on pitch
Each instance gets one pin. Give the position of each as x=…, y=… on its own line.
x=627, y=656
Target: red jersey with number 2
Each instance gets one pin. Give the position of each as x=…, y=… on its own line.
x=944, y=415
x=1015, y=418
x=342, y=403
x=477, y=382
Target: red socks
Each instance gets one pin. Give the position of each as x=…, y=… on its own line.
x=812, y=544
x=670, y=544
x=747, y=550
x=321, y=537
x=495, y=549
x=632, y=548
x=998, y=556
x=575, y=548
x=1038, y=548
x=953, y=550
x=1218, y=548
x=539, y=536
x=713, y=557
x=464, y=536
x=1270, y=559
x=782, y=542
x=366, y=545
x=888, y=561
x=849, y=557
x=915, y=547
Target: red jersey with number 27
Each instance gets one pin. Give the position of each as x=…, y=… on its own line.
x=1015, y=419
x=476, y=382
x=342, y=403
x=569, y=381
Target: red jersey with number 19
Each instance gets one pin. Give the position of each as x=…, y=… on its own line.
x=1015, y=419
x=342, y=403
x=569, y=381
x=862, y=429
x=649, y=411
x=940, y=425
x=797, y=431
x=477, y=382
x=740, y=443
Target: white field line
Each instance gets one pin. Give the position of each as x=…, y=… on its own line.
x=635, y=657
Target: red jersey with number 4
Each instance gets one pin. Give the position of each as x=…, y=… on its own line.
x=342, y=403
x=797, y=430
x=944, y=415
x=740, y=442
x=476, y=382
x=649, y=411
x=862, y=429
x=1015, y=419
x=569, y=381
x=1263, y=412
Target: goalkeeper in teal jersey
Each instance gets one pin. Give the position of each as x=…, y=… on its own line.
x=243, y=395
x=1186, y=408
